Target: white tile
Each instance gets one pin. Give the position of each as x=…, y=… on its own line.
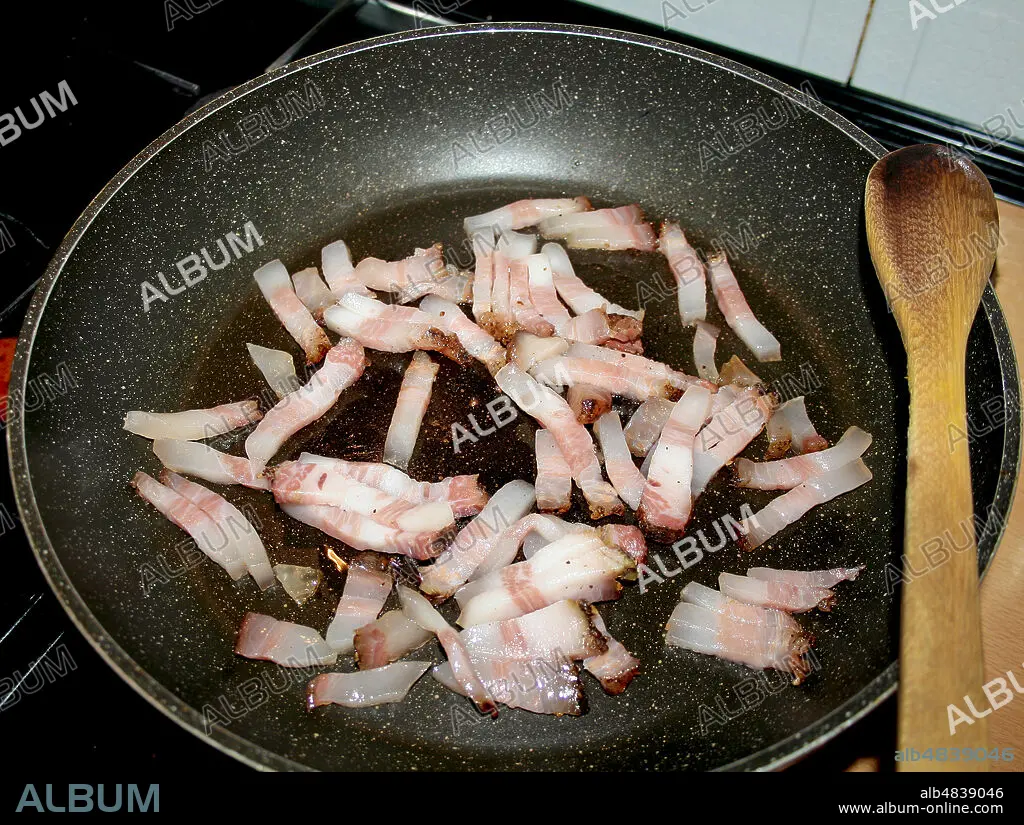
x=818, y=36
x=966, y=63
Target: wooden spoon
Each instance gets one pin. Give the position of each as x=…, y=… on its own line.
x=933, y=230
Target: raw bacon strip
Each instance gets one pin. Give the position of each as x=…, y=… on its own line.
x=554, y=478
x=516, y=245
x=705, y=338
x=562, y=227
x=645, y=426
x=463, y=493
x=526, y=350
x=367, y=586
x=580, y=297
x=483, y=272
x=588, y=403
x=539, y=687
x=727, y=434
x=300, y=483
x=525, y=313
x=193, y=425
x=456, y=286
x=806, y=578
x=754, y=645
x=208, y=534
x=688, y=271
x=735, y=372
x=419, y=610
x=615, y=378
x=363, y=533
x=640, y=236
x=787, y=473
x=283, y=643
x=336, y=262
x=409, y=278
x=616, y=667
x=276, y=286
x=552, y=411
x=647, y=368
x=500, y=322
x=577, y=566
x=238, y=531
x=523, y=213
x=365, y=688
x=413, y=399
x=477, y=540
x=476, y=341
x=666, y=501
x=514, y=536
x=202, y=461
x=790, y=506
x=561, y=630
x=776, y=594
x=624, y=538
x=277, y=368
x=542, y=291
x=589, y=328
x=391, y=328
x=342, y=367
x=618, y=462
x=790, y=428
x=740, y=612
x=388, y=639
x=552, y=529
x=312, y=291
x=737, y=311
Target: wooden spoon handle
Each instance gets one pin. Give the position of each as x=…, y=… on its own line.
x=940, y=644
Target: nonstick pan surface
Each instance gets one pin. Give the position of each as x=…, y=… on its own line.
x=389, y=144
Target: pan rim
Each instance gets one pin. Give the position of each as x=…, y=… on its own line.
x=775, y=756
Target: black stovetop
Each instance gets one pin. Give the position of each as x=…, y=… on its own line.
x=130, y=70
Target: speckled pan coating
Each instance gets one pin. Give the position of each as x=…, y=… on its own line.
x=388, y=161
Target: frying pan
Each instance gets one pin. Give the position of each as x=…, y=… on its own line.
x=399, y=138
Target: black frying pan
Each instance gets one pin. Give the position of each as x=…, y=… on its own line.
x=399, y=139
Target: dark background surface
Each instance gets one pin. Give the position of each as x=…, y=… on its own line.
x=133, y=74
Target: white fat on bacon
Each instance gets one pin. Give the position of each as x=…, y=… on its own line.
x=542, y=291
x=618, y=461
x=617, y=378
x=616, y=667
x=688, y=270
x=806, y=578
x=562, y=227
x=388, y=639
x=727, y=434
x=277, y=368
x=283, y=643
x=477, y=540
x=645, y=425
x=391, y=328
x=299, y=483
x=523, y=213
x=562, y=629
x=477, y=341
x=738, y=313
x=411, y=407
x=554, y=478
x=639, y=236
x=778, y=595
x=336, y=263
x=367, y=586
x=577, y=295
x=790, y=428
x=787, y=473
x=419, y=610
x=366, y=688
x=514, y=536
x=705, y=339
x=193, y=425
x=276, y=286
x=539, y=686
x=483, y=272
x=202, y=461
x=312, y=291
x=407, y=279
x=667, y=499
x=364, y=533
x=237, y=529
x=577, y=566
x=552, y=411
x=792, y=505
x=638, y=365
x=209, y=534
x=463, y=493
x=342, y=367
x=523, y=311
x=526, y=350
x=588, y=403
